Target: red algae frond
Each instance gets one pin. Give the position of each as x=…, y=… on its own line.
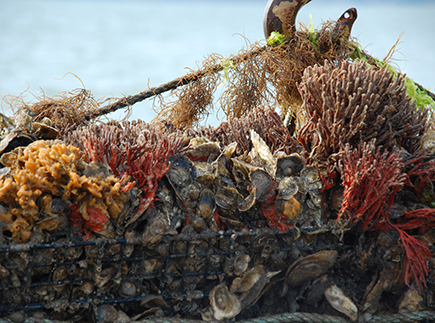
x=421, y=173
x=371, y=180
x=138, y=149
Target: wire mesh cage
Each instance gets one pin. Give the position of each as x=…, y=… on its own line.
x=69, y=278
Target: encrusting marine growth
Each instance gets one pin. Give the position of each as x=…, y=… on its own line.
x=315, y=196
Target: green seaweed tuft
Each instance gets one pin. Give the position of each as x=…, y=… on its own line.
x=312, y=35
x=227, y=65
x=417, y=95
x=421, y=98
x=275, y=39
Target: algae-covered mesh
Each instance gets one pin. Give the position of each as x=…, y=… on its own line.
x=313, y=201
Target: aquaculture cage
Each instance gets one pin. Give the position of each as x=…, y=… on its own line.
x=118, y=280
x=313, y=202
x=65, y=278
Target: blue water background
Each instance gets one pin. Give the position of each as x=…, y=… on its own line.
x=123, y=47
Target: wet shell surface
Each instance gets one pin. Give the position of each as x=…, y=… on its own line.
x=224, y=305
x=127, y=289
x=249, y=279
x=310, y=267
x=338, y=300
x=287, y=166
x=241, y=263
x=411, y=301
x=428, y=141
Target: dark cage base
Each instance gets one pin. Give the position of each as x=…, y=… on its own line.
x=71, y=281
x=49, y=277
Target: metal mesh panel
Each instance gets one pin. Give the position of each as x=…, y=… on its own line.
x=67, y=277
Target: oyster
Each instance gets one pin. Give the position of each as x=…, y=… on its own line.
x=310, y=267
x=241, y=263
x=264, y=185
x=249, y=279
x=181, y=172
x=223, y=304
x=107, y=313
x=203, y=149
x=158, y=226
x=428, y=141
x=24, y=130
x=127, y=289
x=206, y=203
x=252, y=295
x=411, y=301
x=338, y=300
x=262, y=154
x=288, y=166
x=204, y=173
x=228, y=198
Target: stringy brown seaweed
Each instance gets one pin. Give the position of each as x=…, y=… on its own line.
x=259, y=75
x=354, y=103
x=65, y=110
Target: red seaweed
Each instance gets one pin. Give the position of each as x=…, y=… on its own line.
x=371, y=181
x=137, y=149
x=95, y=223
x=422, y=172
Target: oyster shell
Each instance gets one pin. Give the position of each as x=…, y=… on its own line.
x=107, y=313
x=261, y=151
x=181, y=172
x=241, y=263
x=204, y=173
x=288, y=166
x=223, y=304
x=263, y=184
x=228, y=198
x=287, y=188
x=411, y=301
x=206, y=203
x=310, y=267
x=203, y=149
x=253, y=294
x=428, y=141
x=249, y=279
x=127, y=289
x=338, y=300
x=24, y=130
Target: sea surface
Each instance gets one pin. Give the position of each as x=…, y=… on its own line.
x=116, y=48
